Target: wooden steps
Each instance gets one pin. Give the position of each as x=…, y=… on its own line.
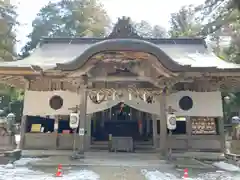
x=103, y=145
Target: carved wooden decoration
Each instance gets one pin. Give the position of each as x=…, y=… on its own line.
x=97, y=97
x=121, y=56
x=101, y=95
x=124, y=29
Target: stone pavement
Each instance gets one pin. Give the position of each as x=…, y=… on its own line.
x=183, y=163
x=104, y=159
x=120, y=166
x=114, y=168
x=119, y=173
x=109, y=166
x=45, y=153
x=200, y=155
x=111, y=159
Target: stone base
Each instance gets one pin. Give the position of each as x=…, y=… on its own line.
x=235, y=146
x=13, y=156
x=7, y=143
x=77, y=155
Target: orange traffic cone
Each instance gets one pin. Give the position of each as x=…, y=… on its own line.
x=59, y=171
x=185, y=175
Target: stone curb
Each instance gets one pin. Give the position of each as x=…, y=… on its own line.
x=183, y=166
x=39, y=156
x=92, y=164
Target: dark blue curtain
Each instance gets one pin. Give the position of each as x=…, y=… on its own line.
x=47, y=123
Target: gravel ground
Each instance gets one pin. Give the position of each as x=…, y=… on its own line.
x=110, y=173
x=10, y=172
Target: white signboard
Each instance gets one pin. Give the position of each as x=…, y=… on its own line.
x=74, y=120
x=171, y=121
x=81, y=131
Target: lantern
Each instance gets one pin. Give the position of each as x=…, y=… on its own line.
x=11, y=118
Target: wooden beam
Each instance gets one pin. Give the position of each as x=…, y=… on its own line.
x=7, y=78
x=80, y=72
x=117, y=78
x=19, y=83
x=124, y=79
x=18, y=73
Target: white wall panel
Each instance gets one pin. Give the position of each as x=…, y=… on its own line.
x=204, y=103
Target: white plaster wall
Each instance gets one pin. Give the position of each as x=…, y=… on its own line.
x=204, y=103
x=36, y=103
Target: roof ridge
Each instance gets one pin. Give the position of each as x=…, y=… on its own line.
x=84, y=40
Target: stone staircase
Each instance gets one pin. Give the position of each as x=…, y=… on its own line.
x=139, y=146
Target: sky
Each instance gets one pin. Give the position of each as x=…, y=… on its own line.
x=156, y=12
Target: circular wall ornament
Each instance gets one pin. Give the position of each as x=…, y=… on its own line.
x=185, y=103
x=56, y=102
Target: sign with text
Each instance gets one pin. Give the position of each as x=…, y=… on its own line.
x=81, y=131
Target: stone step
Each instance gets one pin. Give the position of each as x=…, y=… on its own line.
x=191, y=163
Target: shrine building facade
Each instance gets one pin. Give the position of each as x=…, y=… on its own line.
x=122, y=85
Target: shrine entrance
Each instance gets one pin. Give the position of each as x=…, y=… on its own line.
x=122, y=120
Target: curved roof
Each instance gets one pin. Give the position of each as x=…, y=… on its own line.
x=122, y=45
x=175, y=54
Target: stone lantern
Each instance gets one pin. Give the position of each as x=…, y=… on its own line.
x=11, y=119
x=2, y=120
x=227, y=99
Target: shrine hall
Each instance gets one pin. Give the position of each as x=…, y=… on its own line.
x=123, y=86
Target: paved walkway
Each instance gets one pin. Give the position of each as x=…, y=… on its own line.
x=45, y=153
x=104, y=159
x=200, y=155
x=118, y=173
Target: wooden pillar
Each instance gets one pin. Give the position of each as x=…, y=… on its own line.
x=110, y=113
x=148, y=124
x=83, y=118
x=155, y=135
x=23, y=120
x=22, y=131
x=140, y=123
x=189, y=132
x=88, y=132
x=163, y=124
x=102, y=118
x=130, y=113
x=221, y=133
x=56, y=120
